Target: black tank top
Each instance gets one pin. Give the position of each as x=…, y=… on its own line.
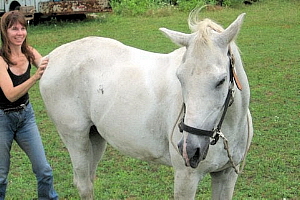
x=17, y=80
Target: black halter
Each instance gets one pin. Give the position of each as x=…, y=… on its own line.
x=215, y=133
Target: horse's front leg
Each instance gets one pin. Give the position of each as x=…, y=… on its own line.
x=223, y=183
x=80, y=150
x=186, y=183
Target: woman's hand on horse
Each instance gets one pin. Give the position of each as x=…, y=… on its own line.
x=41, y=69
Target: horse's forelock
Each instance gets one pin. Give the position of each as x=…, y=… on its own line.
x=203, y=28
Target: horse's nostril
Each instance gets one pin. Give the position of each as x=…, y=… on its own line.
x=197, y=153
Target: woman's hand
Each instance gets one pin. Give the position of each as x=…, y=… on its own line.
x=41, y=68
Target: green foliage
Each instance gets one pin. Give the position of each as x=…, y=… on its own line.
x=269, y=42
x=189, y=5
x=135, y=7
x=138, y=7
x=228, y=3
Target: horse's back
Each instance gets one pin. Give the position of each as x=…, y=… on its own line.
x=92, y=56
x=82, y=53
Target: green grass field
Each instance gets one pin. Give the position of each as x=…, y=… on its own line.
x=270, y=46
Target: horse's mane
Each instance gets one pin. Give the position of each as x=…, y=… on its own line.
x=202, y=27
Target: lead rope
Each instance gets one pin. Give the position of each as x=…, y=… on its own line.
x=172, y=134
x=226, y=147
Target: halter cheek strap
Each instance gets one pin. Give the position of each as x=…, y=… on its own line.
x=233, y=72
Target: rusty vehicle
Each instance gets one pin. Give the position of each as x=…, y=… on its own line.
x=36, y=10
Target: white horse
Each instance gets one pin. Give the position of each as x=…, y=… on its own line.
x=98, y=91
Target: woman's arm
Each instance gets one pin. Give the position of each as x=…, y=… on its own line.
x=14, y=93
x=37, y=57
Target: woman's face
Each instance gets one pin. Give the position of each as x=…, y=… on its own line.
x=16, y=34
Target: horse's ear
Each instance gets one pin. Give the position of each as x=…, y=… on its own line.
x=179, y=38
x=230, y=33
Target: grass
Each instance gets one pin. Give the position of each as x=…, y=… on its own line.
x=270, y=46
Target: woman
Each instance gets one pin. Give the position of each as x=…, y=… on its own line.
x=17, y=120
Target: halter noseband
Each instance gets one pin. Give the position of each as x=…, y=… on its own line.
x=215, y=133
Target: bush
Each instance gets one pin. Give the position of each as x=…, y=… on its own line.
x=138, y=7
x=186, y=5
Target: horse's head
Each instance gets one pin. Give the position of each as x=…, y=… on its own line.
x=205, y=79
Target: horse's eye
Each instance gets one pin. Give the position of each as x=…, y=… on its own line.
x=221, y=82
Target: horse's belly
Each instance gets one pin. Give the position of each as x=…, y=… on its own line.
x=139, y=144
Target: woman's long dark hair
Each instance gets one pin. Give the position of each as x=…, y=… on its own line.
x=7, y=21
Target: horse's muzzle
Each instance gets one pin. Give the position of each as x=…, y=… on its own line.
x=193, y=152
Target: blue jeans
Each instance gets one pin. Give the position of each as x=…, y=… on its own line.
x=21, y=127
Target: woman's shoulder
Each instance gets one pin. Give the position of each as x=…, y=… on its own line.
x=31, y=48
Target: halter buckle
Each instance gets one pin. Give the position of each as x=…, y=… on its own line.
x=215, y=137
